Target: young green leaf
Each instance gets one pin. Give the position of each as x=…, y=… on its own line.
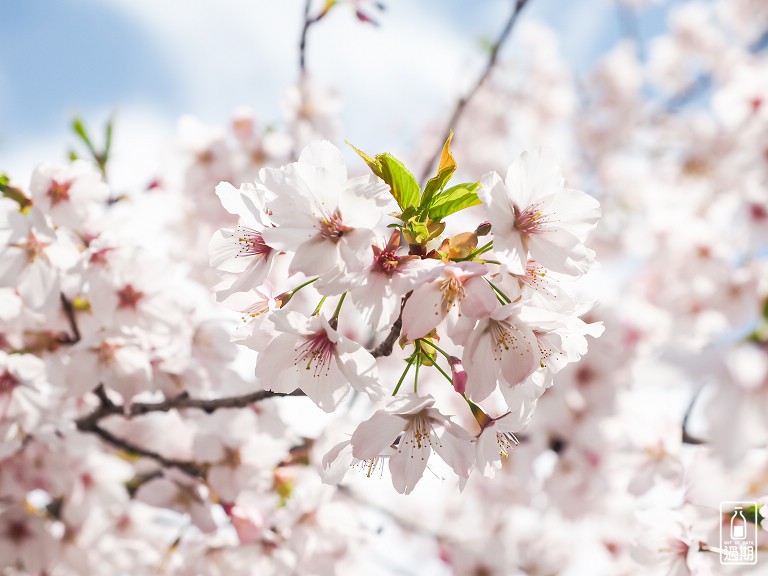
x=402, y=184
x=444, y=172
x=454, y=199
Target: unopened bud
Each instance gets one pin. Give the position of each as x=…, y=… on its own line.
x=459, y=374
x=283, y=299
x=484, y=229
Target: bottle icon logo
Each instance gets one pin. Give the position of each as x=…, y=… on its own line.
x=738, y=524
x=738, y=533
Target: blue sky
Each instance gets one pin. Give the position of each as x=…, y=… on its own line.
x=154, y=60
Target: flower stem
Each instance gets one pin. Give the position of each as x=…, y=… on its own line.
x=318, y=307
x=482, y=250
x=416, y=375
x=443, y=372
x=338, y=307
x=498, y=291
x=423, y=342
x=402, y=376
x=300, y=286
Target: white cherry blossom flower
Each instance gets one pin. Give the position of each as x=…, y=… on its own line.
x=458, y=290
x=502, y=346
x=320, y=215
x=69, y=194
x=242, y=250
x=416, y=428
x=309, y=354
x=533, y=212
x=376, y=290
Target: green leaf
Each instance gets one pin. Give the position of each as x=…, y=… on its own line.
x=79, y=129
x=14, y=193
x=454, y=199
x=444, y=172
x=402, y=184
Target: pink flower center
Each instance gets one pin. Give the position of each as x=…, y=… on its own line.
x=418, y=433
x=453, y=292
x=7, y=382
x=99, y=258
x=34, y=247
x=318, y=351
x=332, y=227
x=387, y=262
x=251, y=243
x=503, y=339
x=59, y=192
x=531, y=220
x=128, y=297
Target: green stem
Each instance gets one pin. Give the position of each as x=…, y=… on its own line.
x=318, y=307
x=300, y=286
x=338, y=307
x=435, y=346
x=482, y=250
x=402, y=376
x=416, y=375
x=443, y=373
x=506, y=298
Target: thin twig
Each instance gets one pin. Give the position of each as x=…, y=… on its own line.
x=385, y=348
x=190, y=468
x=69, y=312
x=687, y=438
x=181, y=402
x=462, y=103
x=303, y=41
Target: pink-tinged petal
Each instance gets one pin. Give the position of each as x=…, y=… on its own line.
x=326, y=389
x=576, y=211
x=39, y=284
x=561, y=251
x=230, y=198
x=356, y=202
x=510, y=250
x=487, y=453
x=354, y=249
x=275, y=367
x=375, y=435
x=414, y=273
x=479, y=299
x=314, y=257
x=493, y=194
x=423, y=311
x=410, y=404
x=337, y=462
x=519, y=355
x=80, y=372
x=359, y=367
x=289, y=237
x=480, y=364
x=12, y=262
x=223, y=249
x=532, y=177
x=322, y=154
x=407, y=466
x=456, y=451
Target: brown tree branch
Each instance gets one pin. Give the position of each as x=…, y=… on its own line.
x=462, y=103
x=69, y=312
x=385, y=348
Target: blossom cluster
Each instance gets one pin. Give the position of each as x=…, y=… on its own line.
x=498, y=316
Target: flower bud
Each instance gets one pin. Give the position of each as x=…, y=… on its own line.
x=459, y=375
x=483, y=229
